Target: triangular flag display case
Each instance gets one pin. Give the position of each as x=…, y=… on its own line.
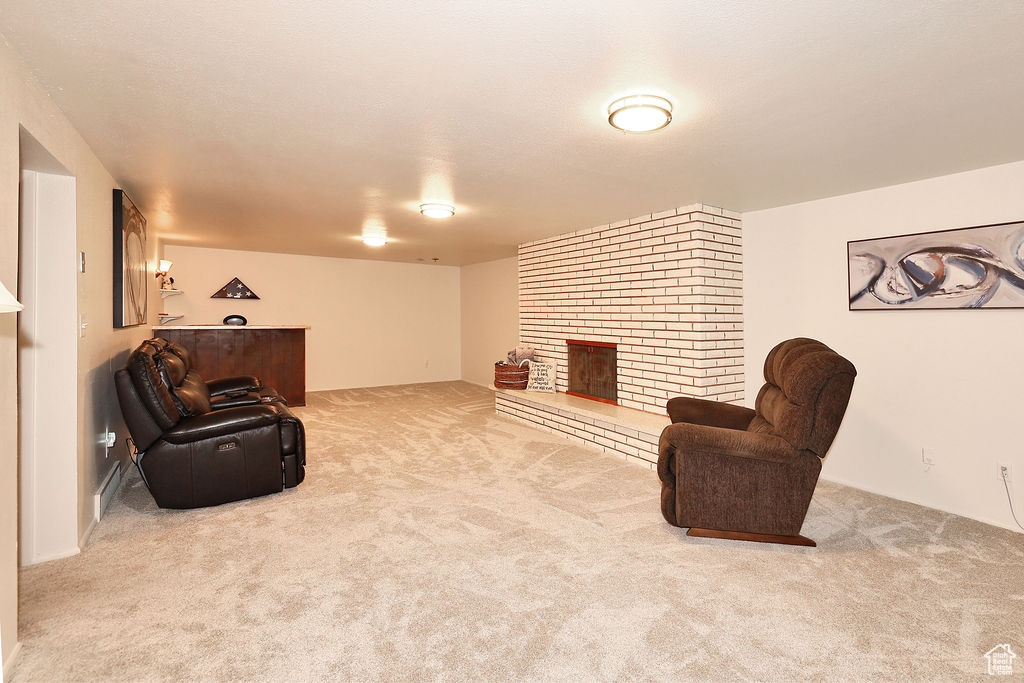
x=235, y=289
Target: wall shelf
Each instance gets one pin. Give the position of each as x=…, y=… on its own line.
x=168, y=317
x=164, y=293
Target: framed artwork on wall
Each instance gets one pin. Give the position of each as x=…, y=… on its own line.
x=976, y=267
x=131, y=271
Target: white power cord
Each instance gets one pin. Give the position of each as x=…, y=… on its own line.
x=1009, y=499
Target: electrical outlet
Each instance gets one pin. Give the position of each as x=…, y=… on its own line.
x=1004, y=470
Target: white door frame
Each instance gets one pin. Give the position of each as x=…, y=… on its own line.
x=48, y=367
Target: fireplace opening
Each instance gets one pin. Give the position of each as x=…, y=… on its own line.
x=592, y=370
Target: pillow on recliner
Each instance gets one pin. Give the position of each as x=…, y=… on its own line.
x=190, y=394
x=194, y=394
x=173, y=366
x=182, y=353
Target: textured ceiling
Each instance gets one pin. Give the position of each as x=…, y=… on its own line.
x=284, y=125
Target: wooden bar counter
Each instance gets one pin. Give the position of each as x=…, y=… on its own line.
x=274, y=353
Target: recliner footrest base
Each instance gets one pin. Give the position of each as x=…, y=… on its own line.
x=747, y=536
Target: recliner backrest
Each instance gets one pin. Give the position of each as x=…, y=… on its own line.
x=144, y=430
x=807, y=388
x=149, y=386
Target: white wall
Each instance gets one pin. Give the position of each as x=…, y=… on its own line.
x=947, y=380
x=490, y=316
x=24, y=103
x=372, y=323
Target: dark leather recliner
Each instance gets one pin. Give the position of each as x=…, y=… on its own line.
x=206, y=443
x=731, y=472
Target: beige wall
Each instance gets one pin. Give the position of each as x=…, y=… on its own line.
x=946, y=380
x=373, y=322
x=23, y=103
x=490, y=316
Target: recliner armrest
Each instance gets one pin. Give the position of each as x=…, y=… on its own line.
x=699, y=411
x=690, y=438
x=233, y=385
x=679, y=440
x=221, y=423
x=250, y=398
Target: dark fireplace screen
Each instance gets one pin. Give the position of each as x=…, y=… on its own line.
x=592, y=370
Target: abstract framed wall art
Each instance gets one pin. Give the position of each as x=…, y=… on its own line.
x=131, y=271
x=977, y=267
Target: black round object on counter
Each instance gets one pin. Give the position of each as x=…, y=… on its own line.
x=235, y=320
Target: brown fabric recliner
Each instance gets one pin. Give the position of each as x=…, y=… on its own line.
x=731, y=472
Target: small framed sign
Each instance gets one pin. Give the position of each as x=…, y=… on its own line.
x=542, y=377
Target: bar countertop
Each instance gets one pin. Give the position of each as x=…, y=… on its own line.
x=231, y=327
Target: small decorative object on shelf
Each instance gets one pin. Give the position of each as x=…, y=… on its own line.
x=235, y=320
x=514, y=372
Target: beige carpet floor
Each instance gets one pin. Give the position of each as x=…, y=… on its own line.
x=433, y=540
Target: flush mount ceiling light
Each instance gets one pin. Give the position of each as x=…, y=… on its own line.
x=437, y=210
x=375, y=232
x=640, y=113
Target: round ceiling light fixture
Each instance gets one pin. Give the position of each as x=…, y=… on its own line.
x=437, y=210
x=375, y=239
x=640, y=113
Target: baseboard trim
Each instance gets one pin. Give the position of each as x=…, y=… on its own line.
x=56, y=556
x=958, y=513
x=9, y=663
x=107, y=489
x=101, y=500
x=87, y=533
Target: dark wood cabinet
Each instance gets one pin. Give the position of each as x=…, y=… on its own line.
x=277, y=355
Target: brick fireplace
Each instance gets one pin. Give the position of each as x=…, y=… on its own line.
x=664, y=290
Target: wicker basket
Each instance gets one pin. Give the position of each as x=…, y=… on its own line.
x=511, y=376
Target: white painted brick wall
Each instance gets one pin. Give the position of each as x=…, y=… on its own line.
x=638, y=447
x=667, y=288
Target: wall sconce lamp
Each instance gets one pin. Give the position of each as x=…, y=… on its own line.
x=161, y=272
x=8, y=304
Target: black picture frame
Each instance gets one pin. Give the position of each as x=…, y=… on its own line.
x=131, y=266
